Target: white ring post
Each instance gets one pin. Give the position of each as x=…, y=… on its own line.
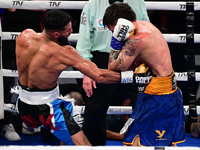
x=1, y=78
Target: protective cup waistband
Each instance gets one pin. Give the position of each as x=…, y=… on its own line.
x=38, y=98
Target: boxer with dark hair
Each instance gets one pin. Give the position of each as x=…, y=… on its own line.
x=158, y=118
x=40, y=61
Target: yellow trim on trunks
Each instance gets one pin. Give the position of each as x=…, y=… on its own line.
x=130, y=144
x=139, y=143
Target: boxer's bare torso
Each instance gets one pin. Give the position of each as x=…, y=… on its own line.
x=146, y=45
x=41, y=60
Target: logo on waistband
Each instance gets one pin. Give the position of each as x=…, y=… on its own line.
x=141, y=88
x=56, y=4
x=174, y=83
x=17, y=3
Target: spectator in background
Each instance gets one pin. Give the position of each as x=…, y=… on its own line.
x=114, y=123
x=94, y=44
x=195, y=126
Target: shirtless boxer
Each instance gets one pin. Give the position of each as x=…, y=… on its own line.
x=40, y=60
x=158, y=118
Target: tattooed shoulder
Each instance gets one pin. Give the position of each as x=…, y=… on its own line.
x=130, y=46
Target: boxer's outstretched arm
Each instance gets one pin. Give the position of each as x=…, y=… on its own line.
x=99, y=75
x=70, y=57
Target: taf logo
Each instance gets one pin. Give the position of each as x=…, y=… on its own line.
x=14, y=36
x=57, y=4
x=17, y=3
x=182, y=38
x=182, y=6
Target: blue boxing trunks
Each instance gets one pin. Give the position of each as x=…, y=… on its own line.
x=43, y=108
x=158, y=114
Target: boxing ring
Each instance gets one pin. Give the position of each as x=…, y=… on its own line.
x=190, y=38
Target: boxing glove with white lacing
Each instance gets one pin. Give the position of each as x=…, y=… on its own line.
x=122, y=31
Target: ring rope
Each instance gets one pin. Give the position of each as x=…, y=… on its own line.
x=64, y=74
x=170, y=38
x=1, y=78
x=180, y=76
x=181, y=6
x=112, y=110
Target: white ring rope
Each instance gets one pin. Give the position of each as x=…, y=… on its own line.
x=170, y=38
x=153, y=5
x=180, y=76
x=13, y=35
x=112, y=110
x=64, y=74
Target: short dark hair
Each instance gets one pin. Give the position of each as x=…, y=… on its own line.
x=56, y=19
x=116, y=11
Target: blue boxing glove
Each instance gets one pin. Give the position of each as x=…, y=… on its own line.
x=122, y=31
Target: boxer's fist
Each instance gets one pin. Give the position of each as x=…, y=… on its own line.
x=122, y=31
x=141, y=75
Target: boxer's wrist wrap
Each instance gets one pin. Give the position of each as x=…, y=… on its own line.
x=116, y=45
x=135, y=78
x=127, y=76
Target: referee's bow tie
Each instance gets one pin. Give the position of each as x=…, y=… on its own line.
x=112, y=1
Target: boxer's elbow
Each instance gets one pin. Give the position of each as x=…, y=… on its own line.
x=114, y=66
x=111, y=66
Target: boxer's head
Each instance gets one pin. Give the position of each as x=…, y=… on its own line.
x=116, y=11
x=57, y=23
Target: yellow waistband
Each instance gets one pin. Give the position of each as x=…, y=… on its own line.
x=161, y=85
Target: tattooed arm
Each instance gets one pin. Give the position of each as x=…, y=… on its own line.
x=121, y=60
